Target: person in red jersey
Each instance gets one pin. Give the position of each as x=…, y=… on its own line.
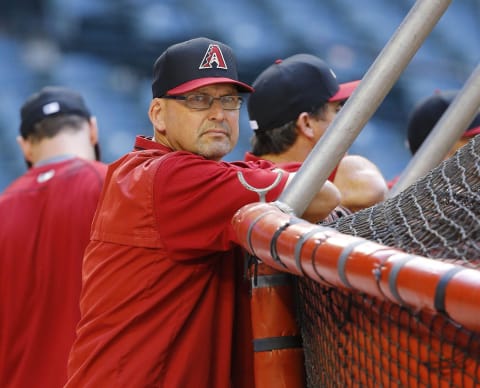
x=294, y=102
x=46, y=217
x=161, y=275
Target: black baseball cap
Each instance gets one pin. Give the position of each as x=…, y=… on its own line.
x=427, y=113
x=300, y=83
x=50, y=101
x=195, y=63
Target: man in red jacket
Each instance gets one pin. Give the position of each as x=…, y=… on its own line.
x=161, y=279
x=46, y=215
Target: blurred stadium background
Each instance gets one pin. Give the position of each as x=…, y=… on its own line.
x=105, y=49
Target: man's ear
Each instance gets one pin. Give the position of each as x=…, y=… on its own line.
x=26, y=147
x=156, y=115
x=304, y=125
x=93, y=134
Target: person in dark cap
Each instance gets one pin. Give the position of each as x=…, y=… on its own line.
x=46, y=218
x=164, y=301
x=294, y=102
x=425, y=116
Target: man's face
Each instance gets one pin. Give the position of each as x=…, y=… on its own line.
x=211, y=132
x=325, y=119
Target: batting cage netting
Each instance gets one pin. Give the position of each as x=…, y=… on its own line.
x=388, y=296
x=352, y=339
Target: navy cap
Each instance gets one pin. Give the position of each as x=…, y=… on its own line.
x=50, y=101
x=192, y=64
x=427, y=113
x=300, y=83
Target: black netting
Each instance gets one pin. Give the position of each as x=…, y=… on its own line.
x=355, y=340
x=437, y=217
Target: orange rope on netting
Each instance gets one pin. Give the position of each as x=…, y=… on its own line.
x=293, y=245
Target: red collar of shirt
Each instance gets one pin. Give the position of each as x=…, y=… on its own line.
x=146, y=143
x=287, y=166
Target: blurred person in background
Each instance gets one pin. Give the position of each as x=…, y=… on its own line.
x=46, y=220
x=294, y=102
x=423, y=118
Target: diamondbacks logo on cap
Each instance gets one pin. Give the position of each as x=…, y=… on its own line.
x=213, y=55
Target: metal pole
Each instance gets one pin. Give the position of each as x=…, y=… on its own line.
x=444, y=134
x=371, y=91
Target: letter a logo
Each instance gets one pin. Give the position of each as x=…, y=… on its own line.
x=213, y=55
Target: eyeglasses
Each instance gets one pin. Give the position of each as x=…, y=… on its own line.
x=205, y=101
